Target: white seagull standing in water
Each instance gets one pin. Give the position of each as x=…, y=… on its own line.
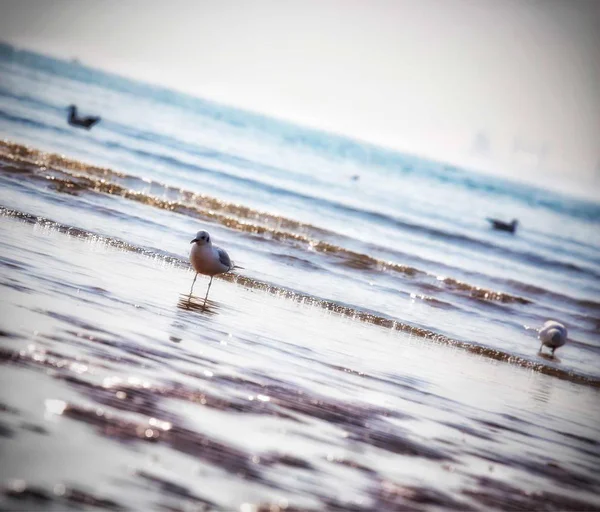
x=208, y=259
x=553, y=335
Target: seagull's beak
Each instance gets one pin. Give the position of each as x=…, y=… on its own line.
x=194, y=240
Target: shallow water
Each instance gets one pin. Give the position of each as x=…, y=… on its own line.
x=121, y=387
x=377, y=351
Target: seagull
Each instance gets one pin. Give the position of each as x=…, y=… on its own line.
x=82, y=122
x=500, y=225
x=208, y=259
x=553, y=335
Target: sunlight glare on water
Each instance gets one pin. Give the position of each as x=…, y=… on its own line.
x=377, y=351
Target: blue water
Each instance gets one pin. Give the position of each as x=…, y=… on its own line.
x=377, y=351
x=407, y=210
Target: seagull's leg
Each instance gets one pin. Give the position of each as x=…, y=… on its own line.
x=553, y=349
x=206, y=297
x=193, y=282
x=540, y=350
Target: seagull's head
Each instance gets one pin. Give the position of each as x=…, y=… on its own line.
x=201, y=238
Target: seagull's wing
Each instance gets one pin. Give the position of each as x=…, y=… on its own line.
x=224, y=258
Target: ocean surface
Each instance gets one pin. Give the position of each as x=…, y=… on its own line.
x=378, y=349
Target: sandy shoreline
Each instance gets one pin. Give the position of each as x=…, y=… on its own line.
x=309, y=409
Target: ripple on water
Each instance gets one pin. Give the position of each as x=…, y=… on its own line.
x=147, y=395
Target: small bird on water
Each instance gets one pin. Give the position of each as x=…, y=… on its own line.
x=500, y=225
x=79, y=121
x=208, y=259
x=553, y=335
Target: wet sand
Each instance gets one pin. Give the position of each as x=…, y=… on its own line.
x=118, y=391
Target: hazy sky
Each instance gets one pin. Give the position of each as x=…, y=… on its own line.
x=522, y=77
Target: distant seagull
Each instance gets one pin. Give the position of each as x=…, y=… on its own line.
x=81, y=122
x=208, y=259
x=504, y=226
x=552, y=335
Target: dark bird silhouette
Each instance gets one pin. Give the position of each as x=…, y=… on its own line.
x=81, y=122
x=511, y=227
